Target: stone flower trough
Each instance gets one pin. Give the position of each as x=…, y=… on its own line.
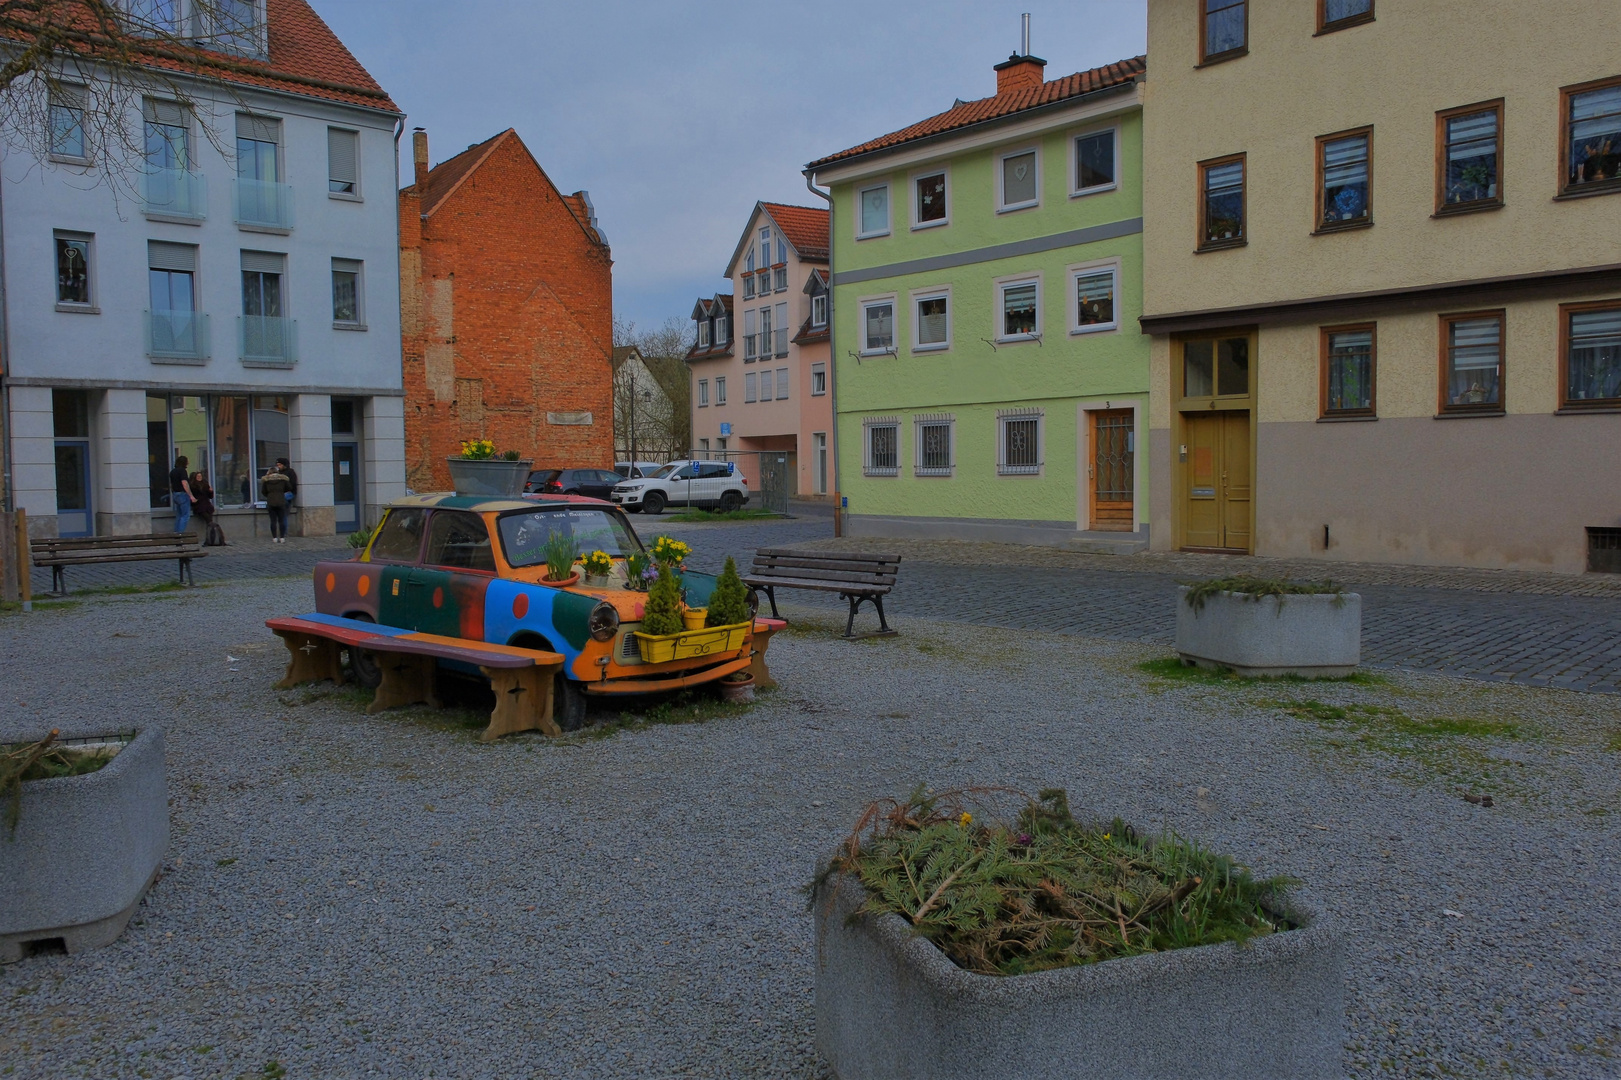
x=1313, y=635
x=85, y=850
x=891, y=1006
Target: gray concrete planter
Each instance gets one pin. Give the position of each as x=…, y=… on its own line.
x=85, y=850
x=1315, y=636
x=492, y=476
x=891, y=1006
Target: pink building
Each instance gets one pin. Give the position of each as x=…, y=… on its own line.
x=760, y=370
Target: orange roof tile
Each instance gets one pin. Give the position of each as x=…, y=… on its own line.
x=805, y=227
x=967, y=113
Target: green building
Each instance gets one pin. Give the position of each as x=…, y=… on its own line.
x=990, y=378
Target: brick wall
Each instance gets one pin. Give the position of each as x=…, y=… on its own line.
x=507, y=315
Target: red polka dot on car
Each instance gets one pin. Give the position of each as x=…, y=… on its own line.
x=520, y=605
x=438, y=598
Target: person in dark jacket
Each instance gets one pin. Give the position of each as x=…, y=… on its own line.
x=204, y=509
x=274, y=486
x=285, y=466
x=180, y=494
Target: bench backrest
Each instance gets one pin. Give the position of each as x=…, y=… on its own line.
x=101, y=543
x=830, y=566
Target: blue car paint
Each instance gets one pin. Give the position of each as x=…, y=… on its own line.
x=501, y=626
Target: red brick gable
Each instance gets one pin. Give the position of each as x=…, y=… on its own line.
x=446, y=177
x=967, y=113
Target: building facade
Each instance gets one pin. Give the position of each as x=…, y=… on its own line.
x=1382, y=282
x=992, y=382
x=240, y=311
x=506, y=313
x=759, y=361
x=650, y=421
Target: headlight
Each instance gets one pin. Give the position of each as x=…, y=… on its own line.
x=604, y=622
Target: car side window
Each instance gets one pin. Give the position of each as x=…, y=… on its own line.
x=608, y=477
x=460, y=540
x=714, y=471
x=399, y=537
x=683, y=473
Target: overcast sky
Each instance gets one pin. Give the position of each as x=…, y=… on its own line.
x=678, y=116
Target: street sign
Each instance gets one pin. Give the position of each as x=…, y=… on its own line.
x=726, y=429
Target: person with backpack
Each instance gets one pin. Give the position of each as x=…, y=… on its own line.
x=274, y=486
x=213, y=535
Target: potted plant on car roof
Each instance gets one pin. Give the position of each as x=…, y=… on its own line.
x=479, y=470
x=560, y=554
x=949, y=946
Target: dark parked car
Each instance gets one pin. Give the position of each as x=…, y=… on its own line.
x=593, y=483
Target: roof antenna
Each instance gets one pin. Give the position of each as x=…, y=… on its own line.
x=1024, y=39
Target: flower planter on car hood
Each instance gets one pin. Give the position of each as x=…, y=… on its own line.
x=85, y=850
x=892, y=1006
x=1313, y=635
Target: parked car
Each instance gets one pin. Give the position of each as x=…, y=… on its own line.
x=713, y=485
x=635, y=470
x=470, y=567
x=596, y=483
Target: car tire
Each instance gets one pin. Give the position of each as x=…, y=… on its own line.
x=568, y=703
x=363, y=663
x=730, y=501
x=653, y=503
x=572, y=491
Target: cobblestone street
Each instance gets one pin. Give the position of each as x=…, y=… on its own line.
x=1539, y=629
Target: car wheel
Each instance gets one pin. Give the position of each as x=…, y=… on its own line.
x=572, y=491
x=653, y=503
x=363, y=663
x=730, y=501
x=568, y=703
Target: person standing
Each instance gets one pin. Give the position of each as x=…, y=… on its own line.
x=180, y=493
x=274, y=486
x=203, y=509
x=286, y=467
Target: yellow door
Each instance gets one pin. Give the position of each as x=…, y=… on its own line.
x=1216, y=505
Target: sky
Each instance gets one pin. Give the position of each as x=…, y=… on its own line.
x=677, y=117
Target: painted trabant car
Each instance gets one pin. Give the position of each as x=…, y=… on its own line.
x=474, y=567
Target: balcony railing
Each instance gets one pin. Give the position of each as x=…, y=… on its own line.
x=263, y=205
x=177, y=337
x=267, y=341
x=174, y=193
x=751, y=345
x=782, y=341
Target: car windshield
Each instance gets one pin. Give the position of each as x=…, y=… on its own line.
x=524, y=533
x=667, y=471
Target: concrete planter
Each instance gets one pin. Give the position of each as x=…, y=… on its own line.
x=891, y=1006
x=85, y=850
x=492, y=476
x=1316, y=636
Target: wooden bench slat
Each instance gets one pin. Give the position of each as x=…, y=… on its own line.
x=85, y=559
x=826, y=575
x=364, y=635
x=823, y=586
x=66, y=542
x=793, y=553
x=824, y=564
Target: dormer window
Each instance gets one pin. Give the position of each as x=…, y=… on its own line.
x=720, y=329
x=819, y=310
x=703, y=334
x=153, y=16
x=235, y=26
x=765, y=247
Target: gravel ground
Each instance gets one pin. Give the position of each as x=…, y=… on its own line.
x=352, y=895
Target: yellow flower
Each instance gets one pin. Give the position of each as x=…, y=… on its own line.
x=963, y=821
x=1106, y=836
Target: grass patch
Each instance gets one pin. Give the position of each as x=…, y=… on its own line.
x=1613, y=743
x=14, y=607
x=134, y=590
x=1387, y=720
x=682, y=707
x=746, y=513
x=1047, y=891
x=1173, y=669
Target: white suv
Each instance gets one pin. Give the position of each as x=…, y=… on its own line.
x=713, y=485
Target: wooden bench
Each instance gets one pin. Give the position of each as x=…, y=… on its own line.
x=59, y=553
x=521, y=678
x=857, y=578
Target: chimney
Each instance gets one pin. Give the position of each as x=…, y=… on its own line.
x=1021, y=71
x=419, y=154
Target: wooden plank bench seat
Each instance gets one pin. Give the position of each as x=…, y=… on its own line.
x=521, y=678
x=59, y=553
x=858, y=578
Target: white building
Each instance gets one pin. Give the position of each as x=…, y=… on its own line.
x=244, y=308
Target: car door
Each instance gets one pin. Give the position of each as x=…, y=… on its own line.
x=682, y=484
x=595, y=483
x=398, y=546
x=447, y=590
x=715, y=478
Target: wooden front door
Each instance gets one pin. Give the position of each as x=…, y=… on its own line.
x=1111, y=470
x=1217, y=485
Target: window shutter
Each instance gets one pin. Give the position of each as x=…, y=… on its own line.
x=748, y=387
x=267, y=262
x=782, y=383
x=164, y=112
x=341, y=151
x=258, y=128
x=165, y=256
x=765, y=385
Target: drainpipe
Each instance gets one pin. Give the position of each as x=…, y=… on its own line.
x=832, y=362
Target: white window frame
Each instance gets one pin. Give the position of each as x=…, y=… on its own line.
x=862, y=305
x=720, y=330
x=911, y=187
x=703, y=444
x=867, y=426
x=720, y=392
x=343, y=196
x=1037, y=414
x=703, y=393
x=999, y=287
x=748, y=284
x=1076, y=191
x=818, y=369
x=819, y=300
x=782, y=384
x=889, y=210
x=92, y=305
x=1079, y=270
x=703, y=333
x=916, y=297
x=359, y=321
x=765, y=247
x=1002, y=205
x=919, y=422
x=69, y=95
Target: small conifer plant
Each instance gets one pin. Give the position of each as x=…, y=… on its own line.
x=729, y=603
x=662, y=615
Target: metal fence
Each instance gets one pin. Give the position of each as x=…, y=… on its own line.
x=773, y=475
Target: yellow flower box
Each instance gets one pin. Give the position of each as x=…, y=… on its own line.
x=712, y=641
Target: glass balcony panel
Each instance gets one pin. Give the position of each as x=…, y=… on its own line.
x=177, y=337
x=264, y=205
x=266, y=341
x=177, y=193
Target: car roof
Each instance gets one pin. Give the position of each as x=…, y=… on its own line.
x=493, y=503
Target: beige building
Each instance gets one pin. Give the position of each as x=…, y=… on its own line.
x=759, y=359
x=1383, y=275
